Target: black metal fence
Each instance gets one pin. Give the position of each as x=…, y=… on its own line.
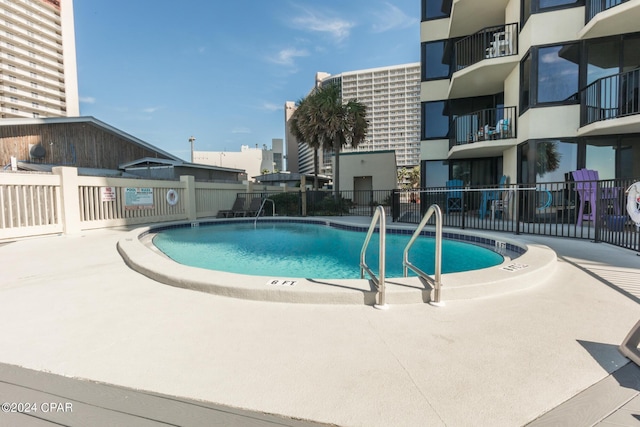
x=490, y=42
x=321, y=202
x=594, y=210
x=611, y=97
x=483, y=125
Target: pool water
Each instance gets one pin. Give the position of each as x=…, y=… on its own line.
x=290, y=250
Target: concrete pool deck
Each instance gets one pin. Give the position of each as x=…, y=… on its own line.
x=69, y=305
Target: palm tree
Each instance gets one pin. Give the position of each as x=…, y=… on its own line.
x=323, y=121
x=343, y=124
x=304, y=124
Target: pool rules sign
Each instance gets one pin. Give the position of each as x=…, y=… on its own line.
x=138, y=198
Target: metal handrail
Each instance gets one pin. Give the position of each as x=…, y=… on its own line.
x=255, y=221
x=406, y=265
x=378, y=216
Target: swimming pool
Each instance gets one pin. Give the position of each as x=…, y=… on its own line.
x=524, y=266
x=302, y=249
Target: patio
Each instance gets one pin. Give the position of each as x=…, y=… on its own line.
x=71, y=306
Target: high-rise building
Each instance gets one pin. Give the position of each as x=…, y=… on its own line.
x=38, y=73
x=392, y=97
x=530, y=89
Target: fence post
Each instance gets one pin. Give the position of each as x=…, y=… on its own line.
x=190, y=206
x=70, y=206
x=597, y=212
x=303, y=195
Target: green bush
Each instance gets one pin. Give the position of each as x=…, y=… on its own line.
x=287, y=204
x=329, y=206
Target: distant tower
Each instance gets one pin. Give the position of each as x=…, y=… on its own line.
x=38, y=59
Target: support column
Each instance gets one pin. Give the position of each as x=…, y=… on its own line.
x=189, y=197
x=70, y=209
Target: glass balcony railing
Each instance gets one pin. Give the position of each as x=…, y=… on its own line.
x=610, y=97
x=484, y=125
x=491, y=42
x=593, y=7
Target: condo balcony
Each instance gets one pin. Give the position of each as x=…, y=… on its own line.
x=492, y=125
x=484, y=60
x=609, y=17
x=469, y=16
x=611, y=105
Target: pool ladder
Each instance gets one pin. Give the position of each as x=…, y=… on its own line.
x=273, y=212
x=379, y=217
x=434, y=281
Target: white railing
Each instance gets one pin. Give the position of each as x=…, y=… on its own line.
x=31, y=205
x=63, y=202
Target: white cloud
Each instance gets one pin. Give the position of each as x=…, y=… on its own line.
x=391, y=18
x=88, y=100
x=241, y=130
x=287, y=56
x=150, y=110
x=270, y=106
x=316, y=21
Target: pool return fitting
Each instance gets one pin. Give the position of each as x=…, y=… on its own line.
x=379, y=216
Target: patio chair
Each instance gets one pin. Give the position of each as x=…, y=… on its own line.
x=504, y=128
x=254, y=207
x=491, y=196
x=587, y=187
x=236, y=210
x=500, y=131
x=454, y=197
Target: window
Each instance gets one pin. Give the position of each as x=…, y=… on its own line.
x=554, y=158
x=601, y=156
x=435, y=9
x=551, y=4
x=630, y=150
x=547, y=160
x=436, y=60
x=525, y=82
x=550, y=75
x=435, y=120
x=436, y=173
x=558, y=71
x=538, y=6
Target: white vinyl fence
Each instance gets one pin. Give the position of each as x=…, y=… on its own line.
x=63, y=202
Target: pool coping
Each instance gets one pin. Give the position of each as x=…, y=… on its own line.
x=533, y=266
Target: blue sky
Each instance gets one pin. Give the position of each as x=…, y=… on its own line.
x=222, y=70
